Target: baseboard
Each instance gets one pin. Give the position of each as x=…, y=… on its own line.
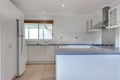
x=40, y=62
x=14, y=77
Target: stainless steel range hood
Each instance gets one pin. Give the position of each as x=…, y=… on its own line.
x=105, y=17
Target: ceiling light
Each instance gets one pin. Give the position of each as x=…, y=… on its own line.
x=63, y=5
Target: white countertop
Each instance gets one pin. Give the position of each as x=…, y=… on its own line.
x=88, y=51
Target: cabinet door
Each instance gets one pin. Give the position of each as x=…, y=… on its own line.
x=87, y=25
x=97, y=17
x=41, y=54
x=36, y=53
x=91, y=24
x=113, y=17
x=49, y=53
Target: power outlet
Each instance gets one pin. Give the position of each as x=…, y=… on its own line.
x=76, y=37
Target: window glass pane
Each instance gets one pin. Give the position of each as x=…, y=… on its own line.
x=32, y=31
x=41, y=31
x=48, y=31
x=26, y=33
x=45, y=31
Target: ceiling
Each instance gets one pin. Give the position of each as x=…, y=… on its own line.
x=54, y=7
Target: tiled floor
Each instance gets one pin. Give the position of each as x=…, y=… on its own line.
x=39, y=72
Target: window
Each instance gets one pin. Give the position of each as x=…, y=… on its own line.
x=45, y=31
x=31, y=31
x=41, y=31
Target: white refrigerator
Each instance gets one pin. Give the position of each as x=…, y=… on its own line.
x=21, y=49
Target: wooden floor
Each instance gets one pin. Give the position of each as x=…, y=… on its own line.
x=39, y=72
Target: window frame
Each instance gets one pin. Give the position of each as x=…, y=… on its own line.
x=38, y=22
x=44, y=33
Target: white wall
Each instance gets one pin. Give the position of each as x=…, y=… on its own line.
x=9, y=43
x=117, y=2
x=108, y=36
x=0, y=39
x=69, y=27
x=63, y=23
x=117, y=38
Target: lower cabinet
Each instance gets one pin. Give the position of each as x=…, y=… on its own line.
x=41, y=54
x=87, y=67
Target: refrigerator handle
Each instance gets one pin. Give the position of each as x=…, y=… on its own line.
x=17, y=21
x=21, y=44
x=21, y=36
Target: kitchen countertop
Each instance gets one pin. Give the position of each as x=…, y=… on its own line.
x=62, y=44
x=93, y=50
x=54, y=44
x=87, y=51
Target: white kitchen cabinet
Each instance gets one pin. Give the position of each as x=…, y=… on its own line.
x=35, y=53
x=49, y=51
x=40, y=54
x=97, y=17
x=93, y=20
x=89, y=24
x=114, y=17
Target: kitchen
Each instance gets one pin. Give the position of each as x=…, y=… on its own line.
x=77, y=26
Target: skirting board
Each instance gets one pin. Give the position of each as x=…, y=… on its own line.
x=14, y=77
x=40, y=62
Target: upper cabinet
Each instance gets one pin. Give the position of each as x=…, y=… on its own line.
x=93, y=20
x=114, y=17
x=97, y=17
x=89, y=24
x=105, y=18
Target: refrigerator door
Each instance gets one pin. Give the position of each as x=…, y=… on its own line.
x=21, y=55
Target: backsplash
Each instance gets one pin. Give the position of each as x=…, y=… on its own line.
x=108, y=36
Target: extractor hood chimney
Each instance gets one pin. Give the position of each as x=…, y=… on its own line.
x=105, y=17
